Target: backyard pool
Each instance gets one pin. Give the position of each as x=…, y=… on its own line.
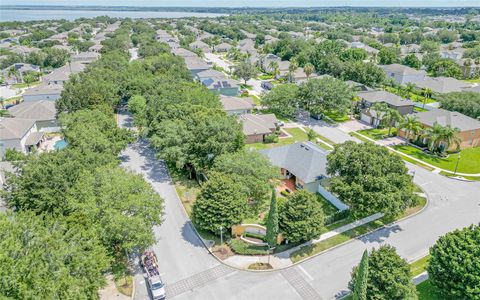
x=59, y=145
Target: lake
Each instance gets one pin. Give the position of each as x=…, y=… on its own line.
x=31, y=15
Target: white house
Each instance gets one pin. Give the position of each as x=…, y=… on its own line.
x=19, y=134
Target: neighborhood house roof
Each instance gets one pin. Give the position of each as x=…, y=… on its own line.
x=305, y=160
x=210, y=73
x=236, y=103
x=443, y=84
x=258, y=124
x=43, y=110
x=444, y=117
x=184, y=53
x=14, y=128
x=384, y=96
x=401, y=69
x=196, y=63
x=34, y=138
x=44, y=89
x=218, y=83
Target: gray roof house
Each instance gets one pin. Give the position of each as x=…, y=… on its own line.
x=210, y=73
x=85, y=57
x=43, y=112
x=304, y=162
x=247, y=46
x=223, y=47
x=196, y=65
x=183, y=52
x=222, y=86
x=62, y=74
x=368, y=98
x=256, y=127
x=200, y=45
x=19, y=134
x=43, y=91
x=236, y=105
x=403, y=74
x=443, y=85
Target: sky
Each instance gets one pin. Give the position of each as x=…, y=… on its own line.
x=250, y=3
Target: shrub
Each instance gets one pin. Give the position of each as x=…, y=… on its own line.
x=242, y=248
x=271, y=138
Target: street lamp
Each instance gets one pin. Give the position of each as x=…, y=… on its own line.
x=456, y=166
x=221, y=236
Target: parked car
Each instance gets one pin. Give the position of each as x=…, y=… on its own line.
x=266, y=85
x=155, y=283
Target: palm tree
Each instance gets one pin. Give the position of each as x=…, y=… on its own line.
x=434, y=135
x=380, y=109
x=409, y=88
x=427, y=93
x=308, y=69
x=411, y=125
x=391, y=117
x=291, y=69
x=273, y=65
x=450, y=137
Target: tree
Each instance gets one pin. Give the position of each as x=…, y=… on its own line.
x=361, y=279
x=282, y=99
x=311, y=134
x=454, y=266
x=272, y=221
x=301, y=217
x=447, y=68
x=220, y=203
x=353, y=54
x=291, y=69
x=370, y=179
x=428, y=46
x=137, y=105
x=411, y=125
x=51, y=258
x=467, y=103
x=324, y=95
x=412, y=61
x=273, y=65
x=245, y=70
x=366, y=73
x=253, y=171
x=434, y=136
x=124, y=225
x=388, y=276
x=308, y=69
x=450, y=136
x=447, y=36
x=387, y=56
x=391, y=117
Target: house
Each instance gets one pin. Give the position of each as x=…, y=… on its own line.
x=96, y=48
x=200, y=45
x=43, y=91
x=19, y=134
x=15, y=72
x=62, y=74
x=223, y=47
x=469, y=127
x=452, y=54
x=43, y=112
x=247, y=46
x=266, y=62
x=304, y=162
x=257, y=127
x=270, y=39
x=403, y=74
x=85, y=57
x=196, y=65
x=183, y=53
x=23, y=50
x=298, y=75
x=368, y=98
x=411, y=48
x=236, y=105
x=356, y=86
x=360, y=45
x=442, y=85
x=222, y=86
x=208, y=74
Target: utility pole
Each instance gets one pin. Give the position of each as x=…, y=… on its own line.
x=456, y=166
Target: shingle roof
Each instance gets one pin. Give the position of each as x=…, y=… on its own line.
x=236, y=103
x=42, y=110
x=258, y=124
x=196, y=63
x=210, y=73
x=44, y=89
x=401, y=69
x=14, y=128
x=305, y=160
x=183, y=53
x=443, y=84
x=451, y=118
x=384, y=96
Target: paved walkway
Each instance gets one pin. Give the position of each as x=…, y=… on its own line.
x=282, y=260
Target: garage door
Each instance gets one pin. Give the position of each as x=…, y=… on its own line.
x=366, y=119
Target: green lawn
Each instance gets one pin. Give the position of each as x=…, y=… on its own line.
x=413, y=96
x=297, y=135
x=378, y=134
x=24, y=85
x=419, y=109
x=426, y=291
x=337, y=117
x=419, y=266
x=328, y=208
x=476, y=80
x=469, y=162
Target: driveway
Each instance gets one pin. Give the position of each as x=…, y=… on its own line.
x=353, y=125
x=218, y=60
x=330, y=131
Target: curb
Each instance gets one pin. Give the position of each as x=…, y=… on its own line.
x=133, y=288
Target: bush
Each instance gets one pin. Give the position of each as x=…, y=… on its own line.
x=339, y=215
x=271, y=138
x=285, y=193
x=255, y=235
x=242, y=248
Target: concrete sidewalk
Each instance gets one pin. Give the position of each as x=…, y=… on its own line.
x=282, y=260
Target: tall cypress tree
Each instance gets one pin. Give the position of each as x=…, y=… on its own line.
x=272, y=221
x=360, y=288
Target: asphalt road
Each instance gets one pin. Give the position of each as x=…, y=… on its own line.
x=191, y=273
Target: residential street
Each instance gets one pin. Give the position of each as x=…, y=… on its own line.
x=191, y=273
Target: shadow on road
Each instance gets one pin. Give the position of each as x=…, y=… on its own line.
x=189, y=235
x=381, y=235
